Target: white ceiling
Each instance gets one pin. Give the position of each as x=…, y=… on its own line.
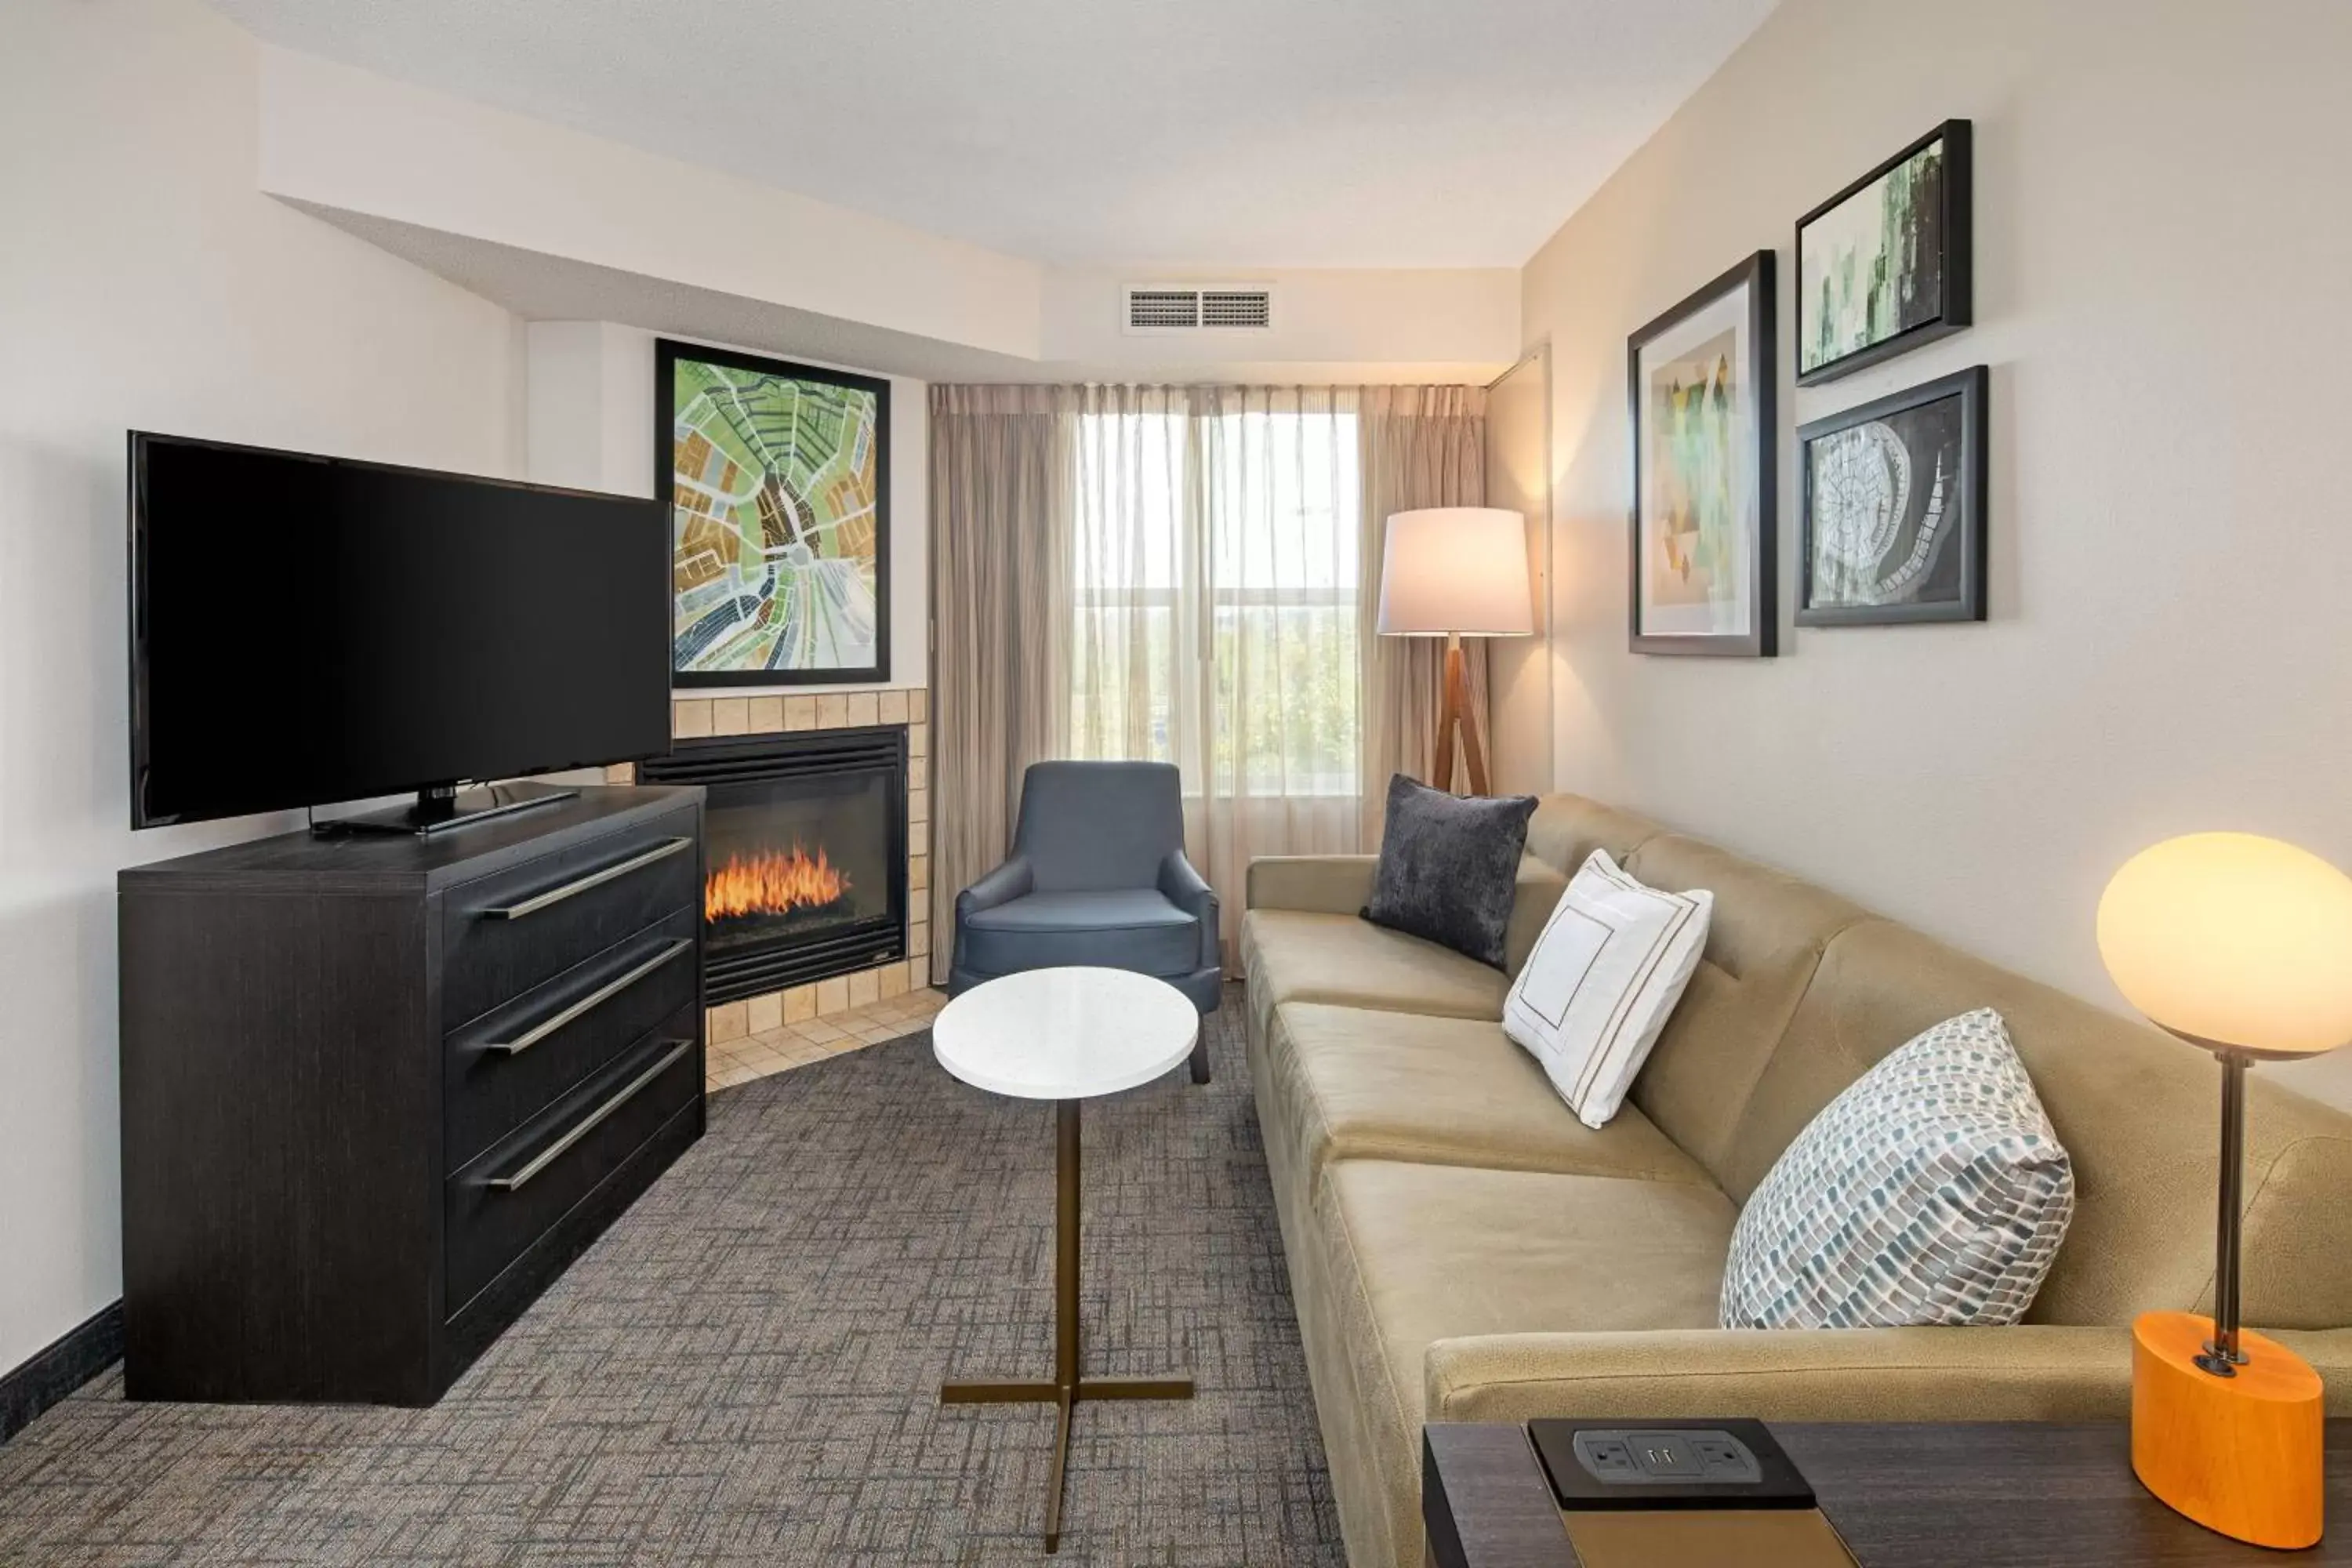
x=1209, y=134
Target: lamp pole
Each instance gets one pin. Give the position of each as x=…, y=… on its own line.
x=2222, y=1355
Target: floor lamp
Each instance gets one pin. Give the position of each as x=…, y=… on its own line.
x=1456, y=571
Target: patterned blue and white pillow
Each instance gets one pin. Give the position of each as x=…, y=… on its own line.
x=1932, y=1191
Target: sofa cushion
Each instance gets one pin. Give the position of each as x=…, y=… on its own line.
x=1931, y=1192
x=1591, y=998
x=1355, y=1083
x=1763, y=942
x=1418, y=1254
x=1448, y=868
x=2137, y=1109
x=1133, y=928
x=1567, y=829
x=1295, y=956
x=1435, y=1251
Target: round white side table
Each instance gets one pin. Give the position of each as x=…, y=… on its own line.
x=1066, y=1036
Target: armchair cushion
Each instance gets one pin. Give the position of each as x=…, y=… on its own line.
x=1134, y=928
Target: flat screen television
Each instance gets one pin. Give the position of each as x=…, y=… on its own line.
x=306, y=630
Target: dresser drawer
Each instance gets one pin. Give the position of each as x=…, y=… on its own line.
x=504, y=1200
x=505, y=934
x=515, y=1060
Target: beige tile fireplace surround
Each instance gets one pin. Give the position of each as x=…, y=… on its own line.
x=757, y=1034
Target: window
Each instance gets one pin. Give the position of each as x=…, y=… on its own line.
x=1217, y=581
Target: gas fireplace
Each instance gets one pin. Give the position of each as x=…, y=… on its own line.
x=804, y=853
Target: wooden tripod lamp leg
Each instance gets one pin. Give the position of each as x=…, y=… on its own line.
x=1458, y=715
x=1441, y=774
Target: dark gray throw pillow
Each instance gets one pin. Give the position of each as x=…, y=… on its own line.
x=1449, y=867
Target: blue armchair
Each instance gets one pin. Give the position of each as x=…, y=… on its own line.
x=1098, y=876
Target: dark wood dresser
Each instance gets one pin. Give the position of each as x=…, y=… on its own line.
x=378, y=1092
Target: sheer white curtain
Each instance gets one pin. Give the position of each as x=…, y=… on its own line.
x=1218, y=576
x=1187, y=574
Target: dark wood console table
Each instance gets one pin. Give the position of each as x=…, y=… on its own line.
x=1921, y=1495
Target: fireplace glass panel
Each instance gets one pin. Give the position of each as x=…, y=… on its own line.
x=790, y=859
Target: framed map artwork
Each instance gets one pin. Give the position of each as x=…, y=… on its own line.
x=777, y=476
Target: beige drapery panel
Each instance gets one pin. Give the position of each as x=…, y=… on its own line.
x=1002, y=468
x=1421, y=447
x=1190, y=574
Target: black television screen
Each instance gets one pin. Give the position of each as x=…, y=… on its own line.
x=309, y=629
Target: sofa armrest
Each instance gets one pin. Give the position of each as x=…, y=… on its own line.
x=1186, y=888
x=1009, y=881
x=1312, y=884
x=2030, y=1373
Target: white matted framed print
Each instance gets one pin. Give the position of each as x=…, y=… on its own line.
x=1699, y=390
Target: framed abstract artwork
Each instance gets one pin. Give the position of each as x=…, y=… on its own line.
x=1885, y=265
x=1894, y=507
x=777, y=476
x=1699, y=387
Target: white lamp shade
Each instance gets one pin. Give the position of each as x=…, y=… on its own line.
x=1455, y=569
x=2235, y=940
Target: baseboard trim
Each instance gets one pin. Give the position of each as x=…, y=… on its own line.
x=74, y=1359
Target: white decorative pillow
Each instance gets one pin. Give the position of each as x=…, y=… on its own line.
x=1932, y=1191
x=1607, y=971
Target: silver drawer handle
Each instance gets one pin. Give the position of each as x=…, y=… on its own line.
x=590, y=1123
x=538, y=902
x=590, y=1002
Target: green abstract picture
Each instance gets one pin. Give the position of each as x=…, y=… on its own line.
x=1883, y=266
x=777, y=479
x=1703, y=487
x=1696, y=516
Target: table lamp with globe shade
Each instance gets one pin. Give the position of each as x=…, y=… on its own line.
x=2241, y=945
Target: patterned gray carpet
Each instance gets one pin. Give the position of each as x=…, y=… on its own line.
x=743, y=1370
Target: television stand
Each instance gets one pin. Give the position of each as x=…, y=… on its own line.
x=377, y=1092
x=441, y=807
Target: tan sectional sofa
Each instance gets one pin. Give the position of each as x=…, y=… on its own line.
x=1461, y=1248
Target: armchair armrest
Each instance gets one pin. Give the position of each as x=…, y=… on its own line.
x=1314, y=884
x=1001, y=886
x=1182, y=886
x=2029, y=1373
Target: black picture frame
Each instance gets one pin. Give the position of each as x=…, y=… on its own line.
x=666, y=353
x=1972, y=388
x=1956, y=253
x=1761, y=639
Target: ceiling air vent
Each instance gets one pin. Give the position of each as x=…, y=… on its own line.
x=1237, y=308
x=1165, y=308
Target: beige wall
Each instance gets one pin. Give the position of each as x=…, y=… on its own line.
x=1374, y=324
x=2164, y=264
x=144, y=283
x=1519, y=669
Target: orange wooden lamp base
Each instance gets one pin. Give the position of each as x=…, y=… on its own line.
x=2239, y=1455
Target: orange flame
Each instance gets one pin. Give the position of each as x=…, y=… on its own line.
x=772, y=883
